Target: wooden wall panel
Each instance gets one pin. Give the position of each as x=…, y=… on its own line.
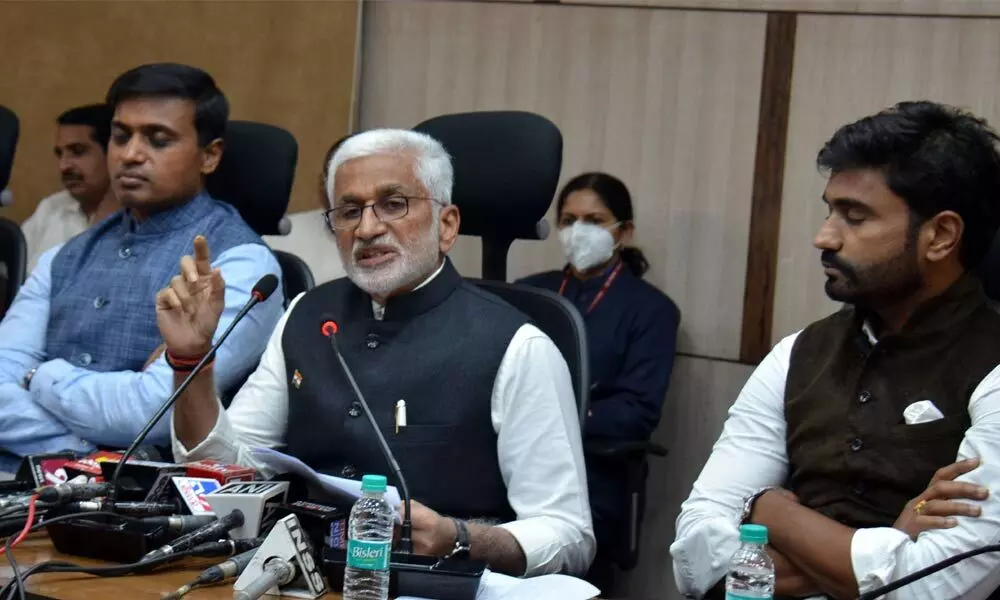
x=847, y=67
x=701, y=392
x=963, y=8
x=286, y=63
x=666, y=100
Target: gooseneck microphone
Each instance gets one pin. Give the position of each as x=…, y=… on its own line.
x=918, y=575
x=261, y=291
x=329, y=328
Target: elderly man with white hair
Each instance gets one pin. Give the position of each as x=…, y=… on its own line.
x=491, y=443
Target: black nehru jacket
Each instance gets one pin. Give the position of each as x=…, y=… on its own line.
x=439, y=349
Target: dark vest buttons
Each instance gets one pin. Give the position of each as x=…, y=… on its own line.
x=372, y=341
x=864, y=397
x=85, y=360
x=858, y=489
x=355, y=410
x=856, y=444
x=349, y=472
x=99, y=302
x=125, y=252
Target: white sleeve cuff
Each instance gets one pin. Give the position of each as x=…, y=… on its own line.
x=217, y=444
x=873, y=555
x=549, y=548
x=701, y=557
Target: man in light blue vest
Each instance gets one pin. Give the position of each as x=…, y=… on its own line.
x=79, y=361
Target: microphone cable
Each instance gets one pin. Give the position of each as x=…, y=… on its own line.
x=916, y=575
x=17, y=581
x=13, y=541
x=59, y=566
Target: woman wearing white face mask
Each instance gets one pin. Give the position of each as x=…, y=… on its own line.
x=631, y=334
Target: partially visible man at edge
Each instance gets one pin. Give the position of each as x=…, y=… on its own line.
x=75, y=345
x=492, y=436
x=87, y=198
x=862, y=414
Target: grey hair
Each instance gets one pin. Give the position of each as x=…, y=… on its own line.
x=433, y=164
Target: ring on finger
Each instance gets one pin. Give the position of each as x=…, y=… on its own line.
x=919, y=508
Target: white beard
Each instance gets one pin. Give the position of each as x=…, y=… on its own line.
x=410, y=265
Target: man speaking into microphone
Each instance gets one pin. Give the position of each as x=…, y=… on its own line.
x=490, y=441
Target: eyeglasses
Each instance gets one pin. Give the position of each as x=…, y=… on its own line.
x=389, y=208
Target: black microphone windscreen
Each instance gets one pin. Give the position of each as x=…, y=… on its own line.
x=265, y=287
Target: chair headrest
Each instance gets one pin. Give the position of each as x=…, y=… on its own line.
x=506, y=167
x=256, y=173
x=989, y=270
x=9, y=130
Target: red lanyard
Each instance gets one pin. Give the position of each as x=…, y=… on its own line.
x=600, y=293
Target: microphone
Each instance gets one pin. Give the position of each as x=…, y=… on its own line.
x=212, y=531
x=65, y=492
x=276, y=572
x=182, y=524
x=918, y=575
x=132, y=509
x=285, y=559
x=226, y=547
x=329, y=328
x=261, y=292
x=216, y=574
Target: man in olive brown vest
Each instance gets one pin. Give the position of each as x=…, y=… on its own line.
x=844, y=441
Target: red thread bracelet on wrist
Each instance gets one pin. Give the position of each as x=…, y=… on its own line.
x=184, y=365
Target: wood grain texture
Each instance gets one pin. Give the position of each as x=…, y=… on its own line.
x=286, y=63
x=665, y=100
x=765, y=214
x=847, y=67
x=701, y=392
x=960, y=8
x=76, y=586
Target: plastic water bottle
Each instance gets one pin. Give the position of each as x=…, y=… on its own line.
x=751, y=571
x=369, y=542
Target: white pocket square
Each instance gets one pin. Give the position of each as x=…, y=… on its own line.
x=921, y=412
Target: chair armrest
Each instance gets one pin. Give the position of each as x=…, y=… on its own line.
x=621, y=448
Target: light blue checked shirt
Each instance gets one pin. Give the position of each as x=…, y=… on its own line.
x=89, y=346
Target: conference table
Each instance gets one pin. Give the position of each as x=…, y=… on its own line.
x=38, y=548
x=77, y=586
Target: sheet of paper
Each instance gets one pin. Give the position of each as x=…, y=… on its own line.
x=495, y=586
x=339, y=488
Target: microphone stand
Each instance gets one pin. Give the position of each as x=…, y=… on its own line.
x=405, y=545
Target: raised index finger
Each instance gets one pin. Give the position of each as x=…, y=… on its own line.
x=202, y=257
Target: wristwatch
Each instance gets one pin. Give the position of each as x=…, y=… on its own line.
x=749, y=501
x=461, y=547
x=26, y=382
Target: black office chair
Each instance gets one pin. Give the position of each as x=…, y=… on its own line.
x=506, y=172
x=13, y=250
x=13, y=254
x=256, y=176
x=989, y=270
x=9, y=131
x=296, y=276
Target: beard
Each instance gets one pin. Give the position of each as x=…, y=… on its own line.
x=411, y=263
x=875, y=285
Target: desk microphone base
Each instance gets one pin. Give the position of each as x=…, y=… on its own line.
x=416, y=575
